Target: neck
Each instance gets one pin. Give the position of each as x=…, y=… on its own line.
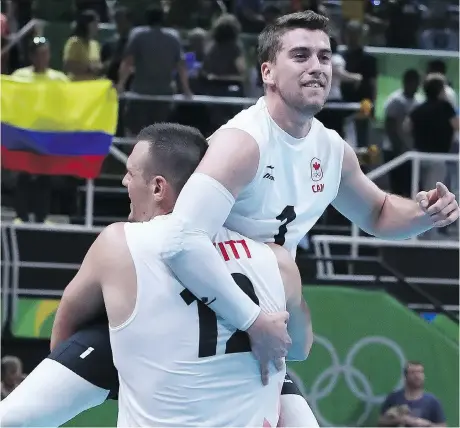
x=408, y=94
x=413, y=393
x=39, y=70
x=292, y=121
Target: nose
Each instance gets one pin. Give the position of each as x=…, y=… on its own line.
x=314, y=66
x=124, y=182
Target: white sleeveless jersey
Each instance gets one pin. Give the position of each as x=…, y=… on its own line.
x=296, y=179
x=178, y=363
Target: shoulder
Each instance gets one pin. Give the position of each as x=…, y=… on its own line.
x=57, y=75
x=23, y=72
x=112, y=234
x=73, y=41
x=395, y=396
x=254, y=121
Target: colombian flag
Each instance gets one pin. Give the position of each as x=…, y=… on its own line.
x=57, y=128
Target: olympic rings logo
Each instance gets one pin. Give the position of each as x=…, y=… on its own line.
x=356, y=381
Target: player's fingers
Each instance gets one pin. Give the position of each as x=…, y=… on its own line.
x=279, y=364
x=441, y=204
x=264, y=372
x=422, y=200
x=453, y=216
x=441, y=189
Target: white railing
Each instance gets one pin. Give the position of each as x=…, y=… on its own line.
x=17, y=37
x=325, y=269
x=416, y=158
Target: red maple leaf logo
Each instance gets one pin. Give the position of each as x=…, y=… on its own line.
x=316, y=165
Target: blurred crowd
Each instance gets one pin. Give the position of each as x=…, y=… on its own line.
x=12, y=374
x=196, y=47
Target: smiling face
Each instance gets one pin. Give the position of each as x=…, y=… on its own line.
x=301, y=72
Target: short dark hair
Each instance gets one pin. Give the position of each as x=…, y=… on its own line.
x=437, y=66
x=433, y=86
x=411, y=75
x=82, y=23
x=411, y=363
x=122, y=12
x=155, y=16
x=269, y=43
x=226, y=29
x=176, y=150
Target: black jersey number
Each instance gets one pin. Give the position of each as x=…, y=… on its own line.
x=287, y=216
x=207, y=319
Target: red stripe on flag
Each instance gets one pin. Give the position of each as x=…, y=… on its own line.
x=80, y=166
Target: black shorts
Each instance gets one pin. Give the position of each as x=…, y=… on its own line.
x=88, y=354
x=290, y=386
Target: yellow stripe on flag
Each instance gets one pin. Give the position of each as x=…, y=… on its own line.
x=59, y=106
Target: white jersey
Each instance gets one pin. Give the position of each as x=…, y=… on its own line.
x=178, y=363
x=296, y=180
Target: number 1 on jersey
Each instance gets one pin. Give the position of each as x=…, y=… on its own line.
x=207, y=322
x=289, y=215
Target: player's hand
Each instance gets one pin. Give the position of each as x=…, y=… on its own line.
x=270, y=341
x=439, y=204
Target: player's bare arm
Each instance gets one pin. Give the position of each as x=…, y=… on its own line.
x=107, y=263
x=299, y=325
x=202, y=207
x=390, y=216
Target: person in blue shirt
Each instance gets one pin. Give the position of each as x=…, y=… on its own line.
x=412, y=406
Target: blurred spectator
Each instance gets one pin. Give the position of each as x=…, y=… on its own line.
x=397, y=141
x=404, y=19
x=339, y=74
x=98, y=6
x=154, y=54
x=11, y=58
x=82, y=53
x=316, y=6
x=112, y=50
x=224, y=59
x=433, y=124
x=412, y=406
x=332, y=118
x=249, y=13
x=33, y=192
x=12, y=374
x=197, y=43
x=439, y=36
x=270, y=13
x=357, y=60
x=439, y=66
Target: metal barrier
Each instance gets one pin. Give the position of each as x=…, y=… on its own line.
x=416, y=158
x=325, y=269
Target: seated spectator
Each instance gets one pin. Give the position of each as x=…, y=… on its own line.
x=224, y=59
x=433, y=124
x=397, y=141
x=439, y=36
x=12, y=374
x=33, y=192
x=412, y=406
x=82, y=53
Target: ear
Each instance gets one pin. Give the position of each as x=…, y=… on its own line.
x=267, y=72
x=159, y=187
